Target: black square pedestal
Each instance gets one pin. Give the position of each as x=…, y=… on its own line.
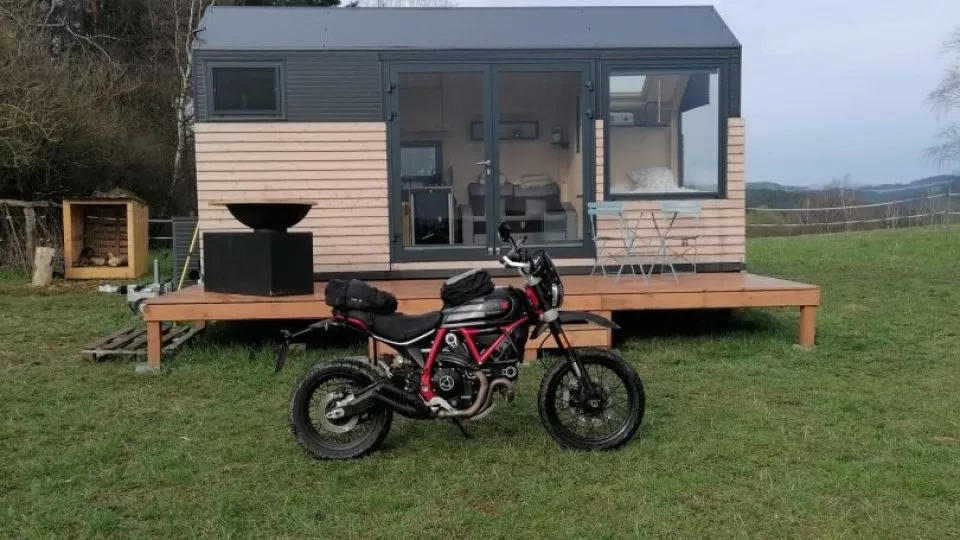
x=260, y=263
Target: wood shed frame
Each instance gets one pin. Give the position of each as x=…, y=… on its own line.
x=105, y=225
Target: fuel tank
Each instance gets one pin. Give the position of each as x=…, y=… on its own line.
x=502, y=306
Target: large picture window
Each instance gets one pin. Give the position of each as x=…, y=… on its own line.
x=246, y=89
x=663, y=133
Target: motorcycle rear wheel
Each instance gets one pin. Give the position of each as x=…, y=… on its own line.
x=344, y=438
x=583, y=422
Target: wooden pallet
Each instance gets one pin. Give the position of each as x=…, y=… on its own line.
x=133, y=342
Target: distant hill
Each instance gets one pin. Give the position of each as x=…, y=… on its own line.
x=773, y=195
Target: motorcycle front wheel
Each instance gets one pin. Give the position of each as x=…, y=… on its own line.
x=317, y=393
x=604, y=419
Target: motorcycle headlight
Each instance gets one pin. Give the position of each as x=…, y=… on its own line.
x=556, y=295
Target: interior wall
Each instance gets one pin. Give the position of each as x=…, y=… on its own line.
x=638, y=147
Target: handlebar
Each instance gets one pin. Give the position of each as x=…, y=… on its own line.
x=509, y=263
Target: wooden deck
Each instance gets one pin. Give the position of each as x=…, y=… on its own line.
x=583, y=293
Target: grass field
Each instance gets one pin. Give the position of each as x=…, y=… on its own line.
x=744, y=436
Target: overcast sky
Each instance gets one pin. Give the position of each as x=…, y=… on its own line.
x=832, y=86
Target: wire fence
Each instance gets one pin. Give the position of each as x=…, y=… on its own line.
x=160, y=233
x=837, y=213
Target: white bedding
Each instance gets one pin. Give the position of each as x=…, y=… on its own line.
x=652, y=180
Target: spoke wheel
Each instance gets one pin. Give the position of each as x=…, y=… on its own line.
x=602, y=419
x=317, y=394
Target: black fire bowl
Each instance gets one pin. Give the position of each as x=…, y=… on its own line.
x=268, y=214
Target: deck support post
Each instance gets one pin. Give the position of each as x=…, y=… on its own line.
x=808, y=327
x=153, y=344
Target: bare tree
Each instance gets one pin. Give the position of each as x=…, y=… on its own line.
x=184, y=33
x=945, y=99
x=843, y=196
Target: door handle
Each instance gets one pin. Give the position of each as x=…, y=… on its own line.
x=486, y=164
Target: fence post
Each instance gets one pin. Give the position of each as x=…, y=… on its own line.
x=30, y=217
x=948, y=217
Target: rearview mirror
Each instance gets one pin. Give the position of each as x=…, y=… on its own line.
x=504, y=231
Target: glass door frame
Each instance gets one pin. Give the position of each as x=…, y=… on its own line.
x=491, y=114
x=587, y=115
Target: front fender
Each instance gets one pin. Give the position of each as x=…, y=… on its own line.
x=575, y=317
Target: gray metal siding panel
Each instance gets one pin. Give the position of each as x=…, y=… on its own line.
x=736, y=79
x=319, y=86
x=199, y=87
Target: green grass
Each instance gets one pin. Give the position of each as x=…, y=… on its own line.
x=744, y=435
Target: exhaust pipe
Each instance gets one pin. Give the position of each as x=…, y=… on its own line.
x=483, y=393
x=484, y=397
x=406, y=410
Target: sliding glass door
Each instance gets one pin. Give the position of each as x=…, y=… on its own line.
x=474, y=145
x=539, y=150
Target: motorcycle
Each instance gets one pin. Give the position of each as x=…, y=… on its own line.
x=452, y=362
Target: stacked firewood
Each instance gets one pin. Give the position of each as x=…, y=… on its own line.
x=89, y=258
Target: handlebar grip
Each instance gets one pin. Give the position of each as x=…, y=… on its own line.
x=506, y=261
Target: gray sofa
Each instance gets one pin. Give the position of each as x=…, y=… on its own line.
x=534, y=211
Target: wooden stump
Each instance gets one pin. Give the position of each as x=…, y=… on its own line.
x=43, y=266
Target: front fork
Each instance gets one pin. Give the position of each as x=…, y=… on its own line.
x=556, y=328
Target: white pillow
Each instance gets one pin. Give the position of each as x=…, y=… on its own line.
x=653, y=180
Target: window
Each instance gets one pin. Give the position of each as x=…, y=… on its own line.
x=246, y=89
x=664, y=133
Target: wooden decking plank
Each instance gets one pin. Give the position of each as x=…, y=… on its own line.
x=139, y=342
x=588, y=293
x=98, y=344
x=122, y=341
x=132, y=342
x=181, y=338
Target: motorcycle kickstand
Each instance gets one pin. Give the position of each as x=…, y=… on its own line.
x=459, y=424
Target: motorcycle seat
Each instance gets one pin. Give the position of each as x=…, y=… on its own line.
x=397, y=326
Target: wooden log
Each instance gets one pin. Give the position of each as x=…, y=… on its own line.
x=43, y=266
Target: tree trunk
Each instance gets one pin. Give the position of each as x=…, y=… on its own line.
x=184, y=120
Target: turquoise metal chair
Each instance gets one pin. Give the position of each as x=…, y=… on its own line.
x=679, y=248
x=622, y=247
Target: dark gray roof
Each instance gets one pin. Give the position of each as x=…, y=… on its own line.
x=290, y=28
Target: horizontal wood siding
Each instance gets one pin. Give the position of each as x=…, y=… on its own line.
x=722, y=228
x=341, y=166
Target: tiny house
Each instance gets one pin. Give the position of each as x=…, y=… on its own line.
x=417, y=131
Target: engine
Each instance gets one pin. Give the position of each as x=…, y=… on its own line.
x=454, y=382
x=457, y=383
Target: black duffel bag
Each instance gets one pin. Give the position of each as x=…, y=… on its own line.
x=358, y=295
x=464, y=287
